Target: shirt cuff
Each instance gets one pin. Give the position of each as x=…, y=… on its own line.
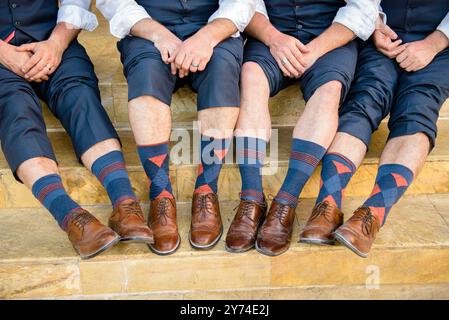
x=237, y=11
x=360, y=17
x=123, y=21
x=444, y=26
x=79, y=17
x=260, y=8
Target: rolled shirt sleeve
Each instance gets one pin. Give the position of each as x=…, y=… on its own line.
x=444, y=26
x=240, y=12
x=360, y=16
x=78, y=14
x=122, y=15
x=260, y=8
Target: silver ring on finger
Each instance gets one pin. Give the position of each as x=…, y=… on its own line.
x=284, y=61
x=195, y=65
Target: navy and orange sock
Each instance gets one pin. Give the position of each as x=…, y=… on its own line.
x=155, y=160
x=51, y=193
x=250, y=158
x=391, y=183
x=213, y=152
x=110, y=170
x=336, y=173
x=305, y=157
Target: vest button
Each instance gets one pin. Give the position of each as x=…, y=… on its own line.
x=13, y=5
x=18, y=23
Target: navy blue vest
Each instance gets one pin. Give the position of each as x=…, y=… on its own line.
x=311, y=16
x=415, y=19
x=183, y=17
x=35, y=18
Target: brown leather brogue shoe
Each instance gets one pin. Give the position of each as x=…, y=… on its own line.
x=276, y=232
x=243, y=231
x=206, y=227
x=359, y=232
x=89, y=236
x=128, y=221
x=319, y=229
x=162, y=220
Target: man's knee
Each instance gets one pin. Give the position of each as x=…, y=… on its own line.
x=147, y=102
x=328, y=95
x=331, y=89
x=252, y=74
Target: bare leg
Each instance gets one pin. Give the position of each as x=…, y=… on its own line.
x=312, y=135
x=254, y=119
x=33, y=169
x=218, y=123
x=350, y=147
x=98, y=150
x=150, y=120
x=410, y=151
x=319, y=121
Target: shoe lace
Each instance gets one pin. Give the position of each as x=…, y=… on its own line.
x=161, y=211
x=367, y=218
x=322, y=210
x=205, y=204
x=132, y=208
x=282, y=213
x=81, y=219
x=247, y=206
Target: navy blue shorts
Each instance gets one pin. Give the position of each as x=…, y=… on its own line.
x=381, y=88
x=148, y=75
x=337, y=65
x=71, y=94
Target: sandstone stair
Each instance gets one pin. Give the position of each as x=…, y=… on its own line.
x=410, y=260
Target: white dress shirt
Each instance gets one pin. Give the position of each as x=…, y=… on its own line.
x=77, y=13
x=358, y=15
x=124, y=14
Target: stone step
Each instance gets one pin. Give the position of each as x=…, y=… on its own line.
x=85, y=189
x=37, y=261
x=285, y=108
x=360, y=292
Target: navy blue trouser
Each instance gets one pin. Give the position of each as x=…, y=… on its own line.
x=381, y=87
x=148, y=75
x=71, y=94
x=337, y=65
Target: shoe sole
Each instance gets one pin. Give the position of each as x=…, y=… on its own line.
x=137, y=240
x=207, y=247
x=269, y=253
x=342, y=240
x=319, y=242
x=230, y=250
x=166, y=253
x=101, y=250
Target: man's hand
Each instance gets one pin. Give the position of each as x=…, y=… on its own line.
x=46, y=57
x=13, y=59
x=193, y=54
x=386, y=41
x=289, y=53
x=419, y=54
x=167, y=43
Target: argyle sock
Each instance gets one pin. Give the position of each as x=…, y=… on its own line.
x=213, y=151
x=391, y=183
x=250, y=158
x=336, y=173
x=51, y=193
x=155, y=160
x=110, y=170
x=305, y=157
